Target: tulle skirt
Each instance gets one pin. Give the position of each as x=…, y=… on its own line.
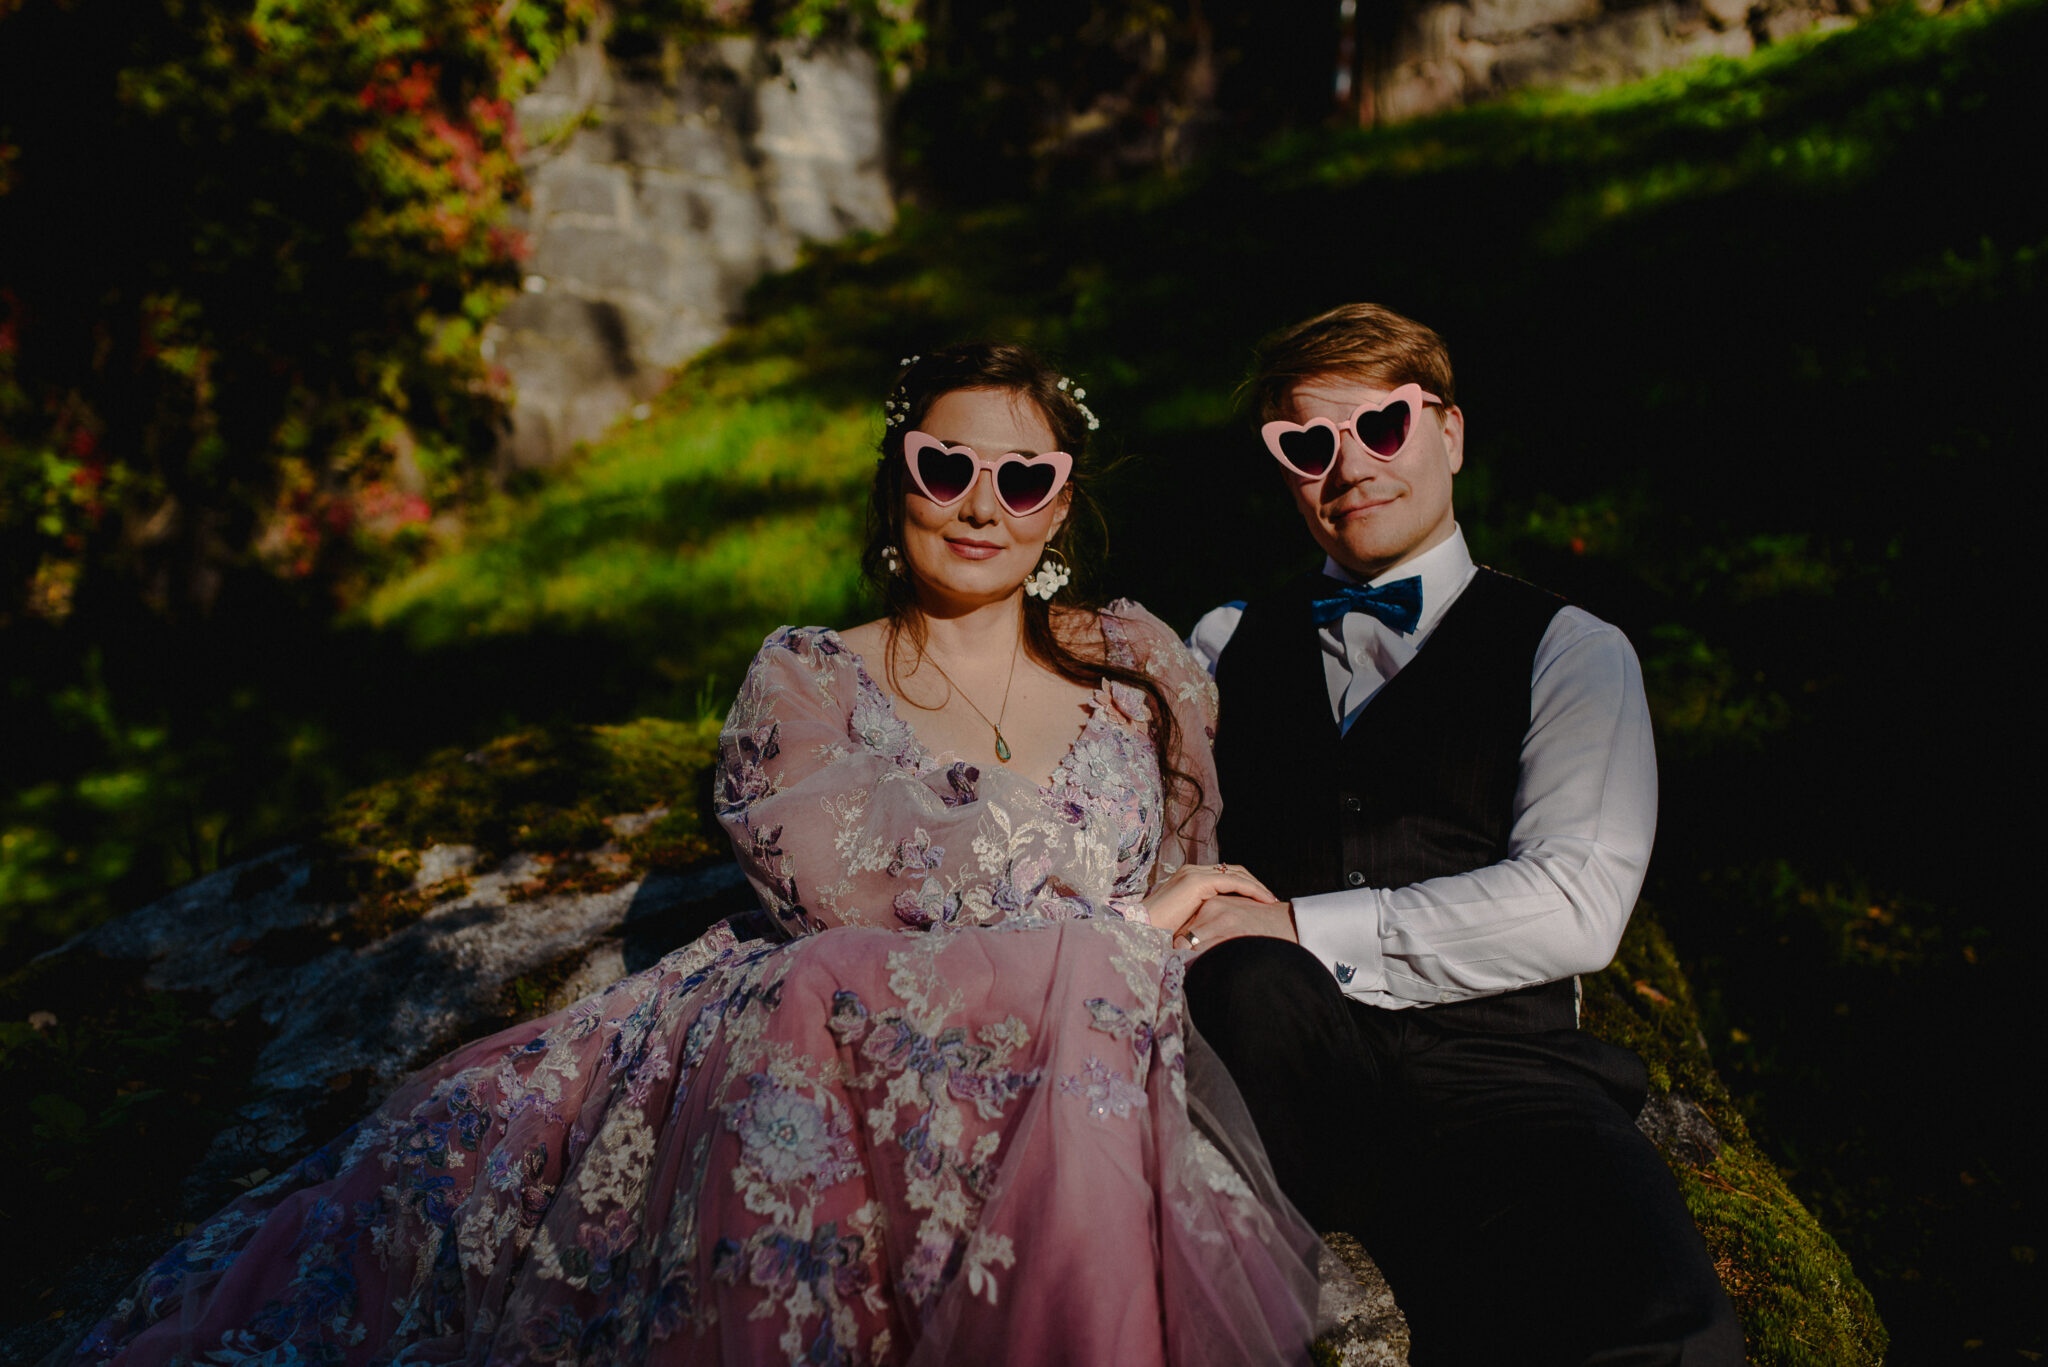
x=978, y=1144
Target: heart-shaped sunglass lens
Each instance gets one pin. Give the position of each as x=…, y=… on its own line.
x=1385, y=432
x=1025, y=488
x=1310, y=450
x=944, y=474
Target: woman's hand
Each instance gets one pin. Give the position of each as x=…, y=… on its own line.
x=1174, y=900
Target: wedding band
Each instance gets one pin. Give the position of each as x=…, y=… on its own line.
x=1194, y=940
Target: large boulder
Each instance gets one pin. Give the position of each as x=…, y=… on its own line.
x=187, y=1051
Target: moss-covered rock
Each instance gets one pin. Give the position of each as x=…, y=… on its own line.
x=216, y=1034
x=1799, y=1299
x=176, y=1055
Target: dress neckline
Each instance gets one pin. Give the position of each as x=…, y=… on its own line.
x=1098, y=702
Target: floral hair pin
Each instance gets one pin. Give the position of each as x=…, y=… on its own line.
x=896, y=408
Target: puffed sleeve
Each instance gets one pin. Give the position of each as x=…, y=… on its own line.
x=1193, y=804
x=838, y=817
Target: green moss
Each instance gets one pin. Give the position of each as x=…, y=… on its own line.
x=1643, y=1002
x=1800, y=1301
x=677, y=841
x=547, y=790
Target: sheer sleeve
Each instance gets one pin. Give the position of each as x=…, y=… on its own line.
x=1193, y=803
x=838, y=816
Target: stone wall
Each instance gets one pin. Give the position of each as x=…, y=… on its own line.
x=660, y=192
x=1446, y=53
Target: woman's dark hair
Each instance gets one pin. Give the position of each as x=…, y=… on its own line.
x=1080, y=539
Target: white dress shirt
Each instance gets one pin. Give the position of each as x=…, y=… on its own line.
x=1585, y=812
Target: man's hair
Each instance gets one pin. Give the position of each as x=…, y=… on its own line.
x=1362, y=342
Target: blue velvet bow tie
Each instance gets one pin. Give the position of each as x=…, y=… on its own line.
x=1398, y=604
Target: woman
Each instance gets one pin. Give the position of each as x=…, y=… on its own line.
x=940, y=1114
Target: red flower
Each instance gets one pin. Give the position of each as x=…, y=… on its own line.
x=407, y=94
x=510, y=244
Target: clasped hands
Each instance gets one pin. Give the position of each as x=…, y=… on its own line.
x=1203, y=905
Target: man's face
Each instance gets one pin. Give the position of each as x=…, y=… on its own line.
x=1370, y=514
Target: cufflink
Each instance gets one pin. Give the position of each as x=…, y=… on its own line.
x=1345, y=973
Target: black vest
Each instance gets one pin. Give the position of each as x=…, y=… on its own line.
x=1422, y=786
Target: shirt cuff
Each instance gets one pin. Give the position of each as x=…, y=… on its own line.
x=1343, y=930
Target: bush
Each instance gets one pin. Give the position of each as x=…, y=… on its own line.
x=245, y=255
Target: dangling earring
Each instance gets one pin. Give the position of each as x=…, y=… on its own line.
x=1051, y=578
x=892, y=560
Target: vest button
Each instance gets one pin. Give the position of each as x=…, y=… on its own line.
x=1355, y=879
x=1352, y=804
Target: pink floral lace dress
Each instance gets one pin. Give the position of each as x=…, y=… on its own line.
x=943, y=1113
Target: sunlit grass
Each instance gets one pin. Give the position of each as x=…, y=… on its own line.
x=1815, y=111
x=713, y=507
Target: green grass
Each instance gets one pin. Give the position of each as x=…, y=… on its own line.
x=712, y=516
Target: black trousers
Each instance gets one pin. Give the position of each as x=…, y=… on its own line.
x=1485, y=1153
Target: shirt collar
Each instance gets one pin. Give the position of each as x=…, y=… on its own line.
x=1445, y=569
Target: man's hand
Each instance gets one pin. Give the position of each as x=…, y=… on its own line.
x=1226, y=918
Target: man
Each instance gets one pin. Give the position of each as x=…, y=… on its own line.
x=1447, y=776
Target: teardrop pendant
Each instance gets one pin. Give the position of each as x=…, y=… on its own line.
x=1002, y=748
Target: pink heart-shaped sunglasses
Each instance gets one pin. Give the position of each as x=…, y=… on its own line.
x=1309, y=449
x=1023, y=483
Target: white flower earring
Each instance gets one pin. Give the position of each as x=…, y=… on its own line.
x=1051, y=577
x=892, y=560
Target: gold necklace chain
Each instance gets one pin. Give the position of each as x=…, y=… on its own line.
x=1002, y=746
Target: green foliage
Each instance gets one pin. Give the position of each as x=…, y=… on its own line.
x=119, y=1091
x=245, y=253
x=1915, y=1151
x=894, y=29
x=244, y=257
x=61, y=840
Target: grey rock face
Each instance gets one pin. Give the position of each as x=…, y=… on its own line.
x=1678, y=1126
x=1448, y=53
x=659, y=196
x=350, y=1022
